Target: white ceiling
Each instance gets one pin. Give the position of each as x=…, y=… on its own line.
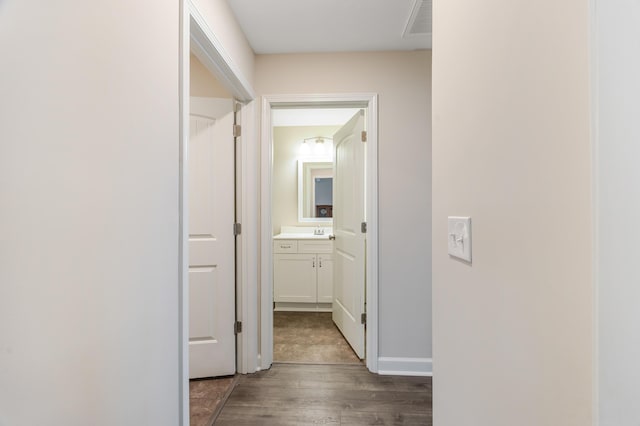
x=311, y=117
x=297, y=26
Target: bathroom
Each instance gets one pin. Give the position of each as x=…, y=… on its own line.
x=303, y=235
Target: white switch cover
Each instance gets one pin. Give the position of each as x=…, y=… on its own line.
x=459, y=236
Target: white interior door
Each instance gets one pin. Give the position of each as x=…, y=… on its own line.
x=349, y=245
x=211, y=240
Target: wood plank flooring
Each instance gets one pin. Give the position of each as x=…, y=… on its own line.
x=299, y=337
x=302, y=394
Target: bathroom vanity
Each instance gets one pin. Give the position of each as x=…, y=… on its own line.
x=302, y=270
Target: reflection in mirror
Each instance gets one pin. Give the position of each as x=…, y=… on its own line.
x=315, y=191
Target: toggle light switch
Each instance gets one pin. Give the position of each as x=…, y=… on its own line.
x=459, y=237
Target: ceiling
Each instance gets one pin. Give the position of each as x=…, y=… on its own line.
x=307, y=26
x=311, y=116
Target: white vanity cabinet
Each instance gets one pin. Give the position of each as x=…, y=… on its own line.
x=302, y=275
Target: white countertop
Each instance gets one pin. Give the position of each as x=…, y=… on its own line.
x=302, y=233
x=300, y=236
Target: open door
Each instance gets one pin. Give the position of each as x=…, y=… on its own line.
x=349, y=244
x=211, y=239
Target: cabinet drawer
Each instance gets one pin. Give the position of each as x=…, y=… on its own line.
x=315, y=246
x=285, y=246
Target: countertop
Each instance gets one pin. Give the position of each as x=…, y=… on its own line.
x=302, y=233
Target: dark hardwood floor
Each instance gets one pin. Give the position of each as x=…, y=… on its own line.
x=326, y=384
x=302, y=394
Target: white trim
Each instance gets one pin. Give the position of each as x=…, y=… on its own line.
x=355, y=100
x=266, y=255
x=372, y=235
x=247, y=302
x=183, y=220
x=405, y=366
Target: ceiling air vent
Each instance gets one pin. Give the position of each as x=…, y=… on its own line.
x=419, y=22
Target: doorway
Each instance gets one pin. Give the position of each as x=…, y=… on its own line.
x=198, y=40
x=308, y=256
x=302, y=221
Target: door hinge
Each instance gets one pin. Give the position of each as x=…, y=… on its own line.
x=363, y=227
x=237, y=327
x=237, y=229
x=363, y=318
x=237, y=106
x=237, y=130
x=364, y=136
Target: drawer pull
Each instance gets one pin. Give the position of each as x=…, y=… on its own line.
x=282, y=246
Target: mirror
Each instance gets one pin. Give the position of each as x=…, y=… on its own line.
x=315, y=191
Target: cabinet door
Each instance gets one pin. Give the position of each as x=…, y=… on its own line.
x=325, y=278
x=294, y=278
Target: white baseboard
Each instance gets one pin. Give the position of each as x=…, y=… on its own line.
x=388, y=366
x=302, y=307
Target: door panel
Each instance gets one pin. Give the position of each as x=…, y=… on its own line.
x=348, y=214
x=202, y=301
x=211, y=239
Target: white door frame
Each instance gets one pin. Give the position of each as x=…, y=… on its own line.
x=350, y=100
x=197, y=37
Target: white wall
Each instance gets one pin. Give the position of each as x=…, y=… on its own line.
x=511, y=149
x=89, y=217
x=617, y=90
x=202, y=83
x=402, y=81
x=286, y=151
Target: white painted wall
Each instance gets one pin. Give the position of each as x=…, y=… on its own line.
x=89, y=217
x=286, y=151
x=402, y=80
x=617, y=180
x=202, y=83
x=511, y=149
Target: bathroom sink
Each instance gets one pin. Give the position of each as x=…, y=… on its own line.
x=303, y=233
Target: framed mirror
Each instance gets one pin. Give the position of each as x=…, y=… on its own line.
x=315, y=191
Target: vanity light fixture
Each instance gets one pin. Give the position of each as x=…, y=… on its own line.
x=305, y=149
x=315, y=146
x=318, y=149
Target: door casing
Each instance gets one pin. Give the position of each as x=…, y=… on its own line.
x=198, y=38
x=369, y=101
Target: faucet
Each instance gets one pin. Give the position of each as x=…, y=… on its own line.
x=318, y=231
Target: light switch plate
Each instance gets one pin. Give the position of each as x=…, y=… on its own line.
x=459, y=237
